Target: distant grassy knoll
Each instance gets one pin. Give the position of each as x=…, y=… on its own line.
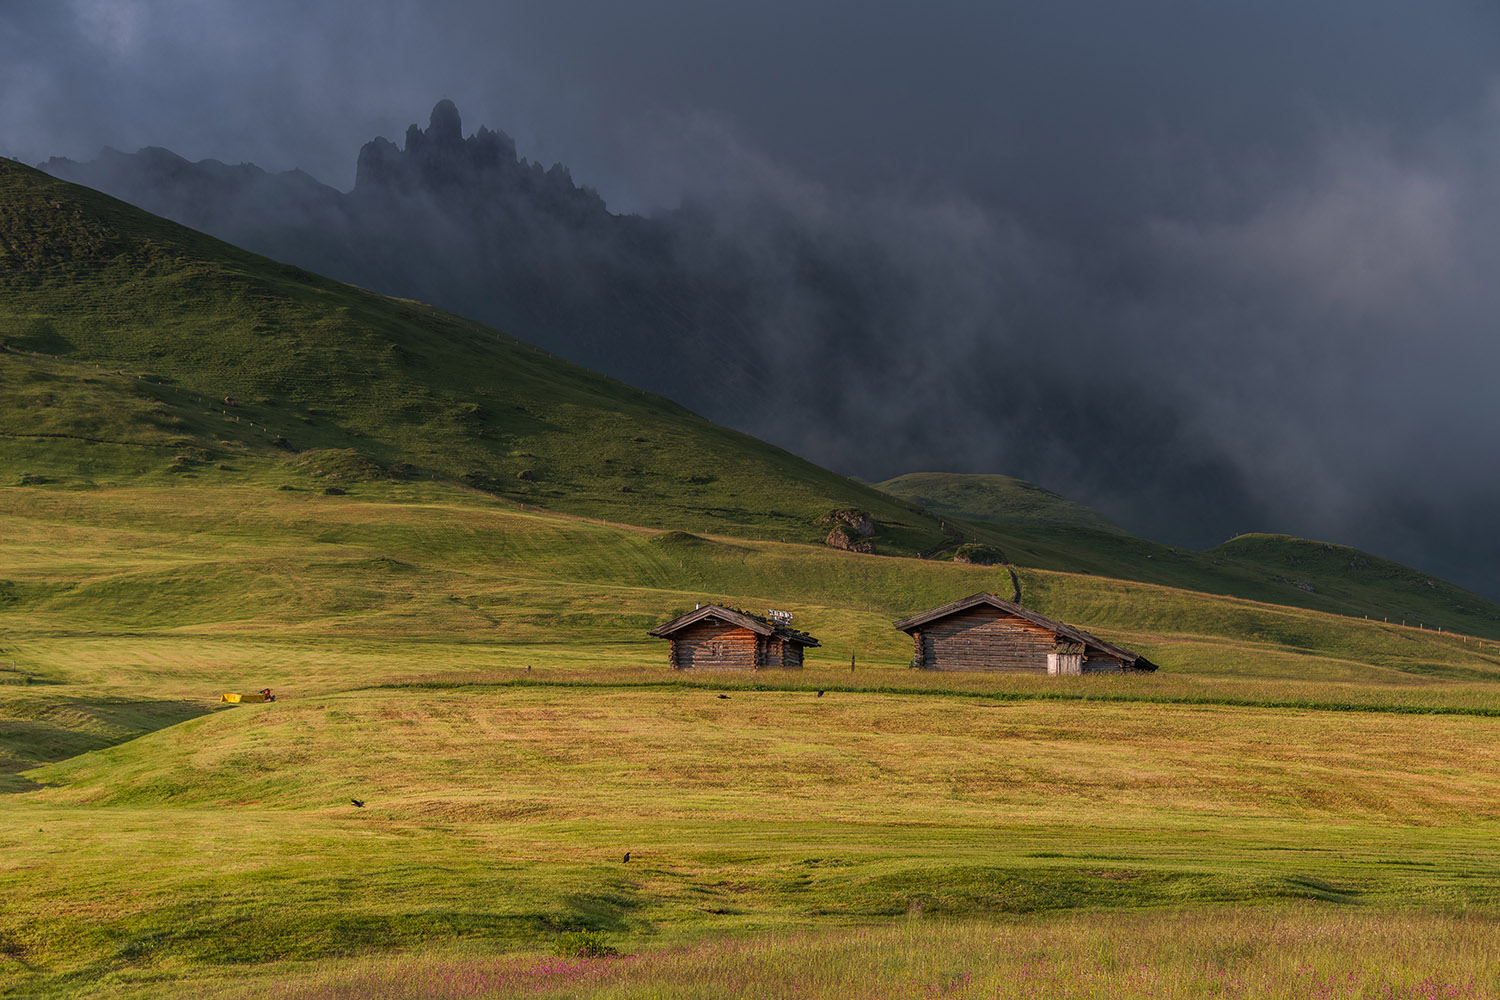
x=993, y=499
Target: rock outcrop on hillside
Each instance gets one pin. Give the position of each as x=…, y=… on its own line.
x=852, y=530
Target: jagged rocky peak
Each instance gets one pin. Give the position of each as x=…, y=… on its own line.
x=444, y=126
x=436, y=156
x=439, y=162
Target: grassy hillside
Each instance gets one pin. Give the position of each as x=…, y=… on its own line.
x=195, y=578
x=127, y=335
x=1270, y=568
x=136, y=330
x=993, y=499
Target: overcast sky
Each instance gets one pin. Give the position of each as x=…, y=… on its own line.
x=1282, y=219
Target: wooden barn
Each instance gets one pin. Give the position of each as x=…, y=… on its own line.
x=718, y=638
x=984, y=632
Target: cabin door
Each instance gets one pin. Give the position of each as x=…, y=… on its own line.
x=1068, y=664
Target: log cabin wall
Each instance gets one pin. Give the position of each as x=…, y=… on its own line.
x=985, y=638
x=713, y=645
x=1102, y=665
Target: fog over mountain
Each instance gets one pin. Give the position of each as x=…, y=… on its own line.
x=1208, y=268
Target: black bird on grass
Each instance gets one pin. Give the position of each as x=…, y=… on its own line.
x=627, y=858
x=820, y=694
x=358, y=803
x=724, y=696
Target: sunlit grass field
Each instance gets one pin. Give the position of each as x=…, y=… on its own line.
x=478, y=676
x=1282, y=953
x=220, y=474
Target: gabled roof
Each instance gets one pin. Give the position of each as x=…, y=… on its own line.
x=1068, y=632
x=734, y=616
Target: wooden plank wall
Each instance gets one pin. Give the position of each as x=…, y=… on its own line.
x=986, y=638
x=715, y=646
x=1065, y=664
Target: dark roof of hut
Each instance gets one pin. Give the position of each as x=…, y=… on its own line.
x=1068, y=632
x=734, y=616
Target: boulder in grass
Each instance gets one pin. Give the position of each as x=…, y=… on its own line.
x=859, y=522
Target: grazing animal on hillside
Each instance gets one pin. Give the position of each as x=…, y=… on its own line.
x=358, y=803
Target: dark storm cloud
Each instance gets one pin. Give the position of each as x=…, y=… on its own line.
x=1259, y=237
x=1016, y=100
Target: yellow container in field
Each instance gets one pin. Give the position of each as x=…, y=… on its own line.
x=235, y=699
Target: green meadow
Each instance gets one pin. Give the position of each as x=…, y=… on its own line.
x=477, y=675
x=219, y=474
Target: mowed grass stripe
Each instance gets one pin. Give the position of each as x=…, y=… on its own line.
x=1098, y=694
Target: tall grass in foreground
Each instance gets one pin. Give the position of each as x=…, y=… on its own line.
x=1273, y=953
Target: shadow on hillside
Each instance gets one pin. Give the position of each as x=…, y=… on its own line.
x=50, y=729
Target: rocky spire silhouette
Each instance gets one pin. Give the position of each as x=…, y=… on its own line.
x=440, y=162
x=444, y=126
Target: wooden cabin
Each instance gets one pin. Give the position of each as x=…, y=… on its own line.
x=719, y=638
x=984, y=632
